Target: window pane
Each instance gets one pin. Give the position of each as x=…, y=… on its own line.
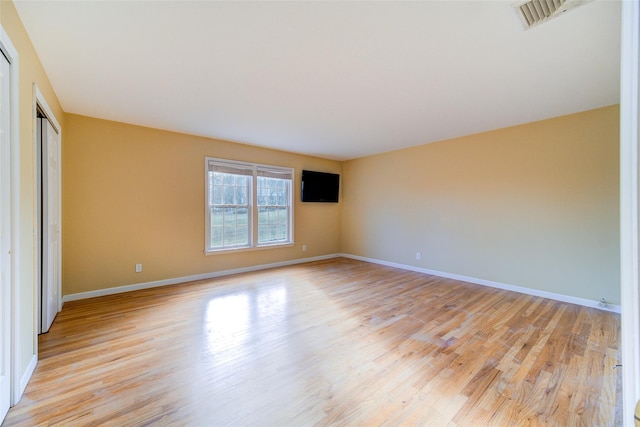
x=216, y=217
x=230, y=217
x=216, y=237
x=242, y=236
x=241, y=194
x=262, y=198
x=217, y=194
x=228, y=197
x=229, y=236
x=262, y=216
x=228, y=178
x=242, y=216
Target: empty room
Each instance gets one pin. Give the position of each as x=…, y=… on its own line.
x=304, y=213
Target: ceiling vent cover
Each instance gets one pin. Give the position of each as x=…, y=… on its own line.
x=534, y=12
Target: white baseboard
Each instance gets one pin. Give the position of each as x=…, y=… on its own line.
x=173, y=281
x=24, y=380
x=528, y=291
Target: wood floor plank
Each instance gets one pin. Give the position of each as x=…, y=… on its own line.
x=330, y=343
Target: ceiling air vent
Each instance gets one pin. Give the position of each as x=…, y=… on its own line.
x=534, y=12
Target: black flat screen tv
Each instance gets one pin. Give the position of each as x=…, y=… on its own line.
x=320, y=187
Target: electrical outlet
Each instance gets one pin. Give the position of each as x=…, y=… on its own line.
x=304, y=248
x=418, y=255
x=138, y=268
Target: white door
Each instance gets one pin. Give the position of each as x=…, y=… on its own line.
x=5, y=239
x=51, y=274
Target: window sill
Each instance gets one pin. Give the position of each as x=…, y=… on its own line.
x=248, y=249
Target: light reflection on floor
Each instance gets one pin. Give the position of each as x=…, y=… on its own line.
x=256, y=342
x=253, y=346
x=234, y=322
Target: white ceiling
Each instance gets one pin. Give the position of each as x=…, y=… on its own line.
x=334, y=79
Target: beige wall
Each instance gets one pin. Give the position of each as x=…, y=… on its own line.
x=136, y=195
x=535, y=205
x=30, y=72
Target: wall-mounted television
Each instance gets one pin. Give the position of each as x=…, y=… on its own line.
x=320, y=187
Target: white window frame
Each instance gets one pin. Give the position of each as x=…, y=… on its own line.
x=256, y=170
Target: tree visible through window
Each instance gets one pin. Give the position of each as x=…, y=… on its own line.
x=232, y=210
x=273, y=207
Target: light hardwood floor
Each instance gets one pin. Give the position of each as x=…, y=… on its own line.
x=337, y=342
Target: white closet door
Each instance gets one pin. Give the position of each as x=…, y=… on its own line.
x=5, y=240
x=51, y=274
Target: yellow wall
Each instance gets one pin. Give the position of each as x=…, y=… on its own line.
x=30, y=72
x=535, y=205
x=136, y=195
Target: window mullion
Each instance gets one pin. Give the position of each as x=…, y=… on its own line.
x=254, y=209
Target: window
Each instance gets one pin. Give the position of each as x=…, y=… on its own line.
x=235, y=213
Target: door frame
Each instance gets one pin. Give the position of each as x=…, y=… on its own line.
x=11, y=53
x=39, y=102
